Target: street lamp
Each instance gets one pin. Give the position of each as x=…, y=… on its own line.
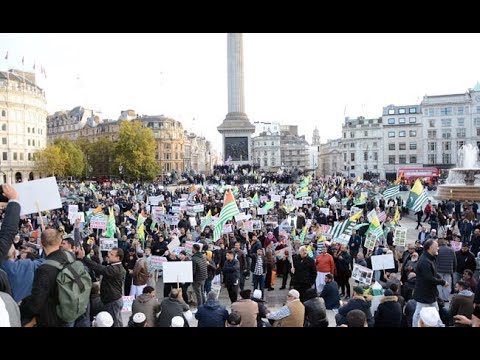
x=120, y=171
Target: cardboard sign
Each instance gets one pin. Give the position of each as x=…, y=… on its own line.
x=79, y=215
x=307, y=200
x=342, y=239
x=248, y=225
x=127, y=303
x=239, y=217
x=157, y=261
x=198, y=208
x=298, y=203
x=72, y=209
x=107, y=244
x=381, y=262
x=332, y=201
x=173, y=244
x=184, y=196
x=38, y=195
x=370, y=241
x=400, y=237
x=276, y=198
x=227, y=228
x=176, y=209
x=244, y=204
x=98, y=222
x=257, y=225
x=178, y=271
x=154, y=200
x=264, y=198
x=193, y=221
x=326, y=211
x=362, y=274
x=261, y=211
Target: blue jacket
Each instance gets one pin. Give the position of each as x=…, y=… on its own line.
x=211, y=314
x=20, y=275
x=331, y=296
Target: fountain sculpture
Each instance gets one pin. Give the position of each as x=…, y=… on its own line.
x=462, y=182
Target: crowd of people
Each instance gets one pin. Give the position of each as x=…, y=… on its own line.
x=285, y=231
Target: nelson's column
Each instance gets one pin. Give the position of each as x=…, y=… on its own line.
x=236, y=129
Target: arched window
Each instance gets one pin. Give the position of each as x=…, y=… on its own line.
x=4, y=113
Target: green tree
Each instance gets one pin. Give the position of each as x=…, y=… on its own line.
x=135, y=151
x=51, y=161
x=100, y=156
x=75, y=160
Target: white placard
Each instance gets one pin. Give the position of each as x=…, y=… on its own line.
x=38, y=195
x=326, y=211
x=239, y=217
x=400, y=237
x=157, y=261
x=371, y=214
x=193, y=221
x=178, y=271
x=307, y=200
x=332, y=201
x=154, y=200
x=264, y=198
x=199, y=208
x=261, y=211
x=381, y=262
x=72, y=209
x=173, y=244
x=99, y=222
x=176, y=209
x=127, y=303
x=107, y=244
x=227, y=228
x=289, y=196
x=184, y=196
x=244, y=204
x=298, y=203
x=79, y=215
x=362, y=274
x=276, y=198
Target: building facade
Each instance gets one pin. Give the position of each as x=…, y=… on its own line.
x=267, y=151
x=268, y=127
x=295, y=150
x=23, y=127
x=68, y=123
x=197, y=153
x=402, y=139
x=362, y=152
x=330, y=158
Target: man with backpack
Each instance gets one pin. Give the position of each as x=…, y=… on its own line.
x=48, y=305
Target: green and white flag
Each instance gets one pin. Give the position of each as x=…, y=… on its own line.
x=229, y=210
x=375, y=228
x=392, y=191
x=417, y=197
x=269, y=205
x=301, y=193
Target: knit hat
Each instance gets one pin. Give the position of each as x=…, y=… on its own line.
x=430, y=316
x=103, y=319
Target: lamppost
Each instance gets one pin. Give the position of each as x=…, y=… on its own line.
x=120, y=171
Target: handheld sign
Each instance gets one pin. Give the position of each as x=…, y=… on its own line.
x=41, y=192
x=178, y=271
x=382, y=262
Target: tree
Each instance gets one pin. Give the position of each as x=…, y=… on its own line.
x=75, y=160
x=99, y=156
x=51, y=161
x=135, y=151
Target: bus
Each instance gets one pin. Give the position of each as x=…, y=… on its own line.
x=428, y=174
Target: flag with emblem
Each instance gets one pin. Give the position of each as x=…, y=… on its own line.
x=228, y=211
x=417, y=197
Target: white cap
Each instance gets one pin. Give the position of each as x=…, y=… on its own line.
x=139, y=318
x=257, y=294
x=294, y=293
x=177, y=321
x=430, y=316
x=103, y=319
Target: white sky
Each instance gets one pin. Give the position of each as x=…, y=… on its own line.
x=304, y=79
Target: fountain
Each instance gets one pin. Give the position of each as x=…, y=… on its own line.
x=462, y=182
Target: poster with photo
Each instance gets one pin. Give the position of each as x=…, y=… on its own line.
x=307, y=200
x=370, y=241
x=400, y=237
x=362, y=274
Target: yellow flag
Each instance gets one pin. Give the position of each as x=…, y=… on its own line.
x=356, y=216
x=396, y=182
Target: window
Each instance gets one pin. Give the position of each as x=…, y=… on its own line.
x=365, y=133
x=401, y=120
x=413, y=159
x=344, y=146
x=478, y=131
x=272, y=162
x=432, y=158
x=265, y=153
x=4, y=156
x=15, y=156
x=446, y=145
x=432, y=134
x=391, y=134
x=365, y=156
x=460, y=144
x=166, y=156
x=460, y=110
x=344, y=156
x=412, y=120
x=431, y=112
x=391, y=146
x=446, y=122
x=4, y=141
x=401, y=111
x=432, y=146
x=402, y=146
x=4, y=127
x=374, y=144
x=402, y=159
x=265, y=162
x=375, y=156
x=352, y=156
x=412, y=110
x=446, y=158
x=461, y=122
x=344, y=135
x=21, y=156
x=446, y=133
x=402, y=133
x=476, y=121
x=352, y=134
x=391, y=111
x=33, y=142
x=446, y=111
x=431, y=123
x=413, y=146
x=29, y=156
x=461, y=132
x=391, y=121
x=478, y=109
x=273, y=143
x=28, y=130
x=412, y=133
x=352, y=145
x=4, y=113
x=28, y=142
x=391, y=159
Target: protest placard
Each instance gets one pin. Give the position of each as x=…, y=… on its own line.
x=227, y=228
x=127, y=303
x=326, y=211
x=248, y=225
x=177, y=271
x=239, y=217
x=157, y=261
x=175, y=209
x=371, y=214
x=198, y=208
x=400, y=237
x=276, y=198
x=381, y=262
x=98, y=222
x=307, y=200
x=362, y=274
x=72, y=209
x=456, y=245
x=38, y=195
x=257, y=225
x=343, y=239
x=107, y=244
x=370, y=241
x=154, y=200
x=262, y=211
x=332, y=201
x=244, y=204
x=298, y=203
x=173, y=244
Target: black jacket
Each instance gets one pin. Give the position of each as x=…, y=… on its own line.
x=43, y=300
x=427, y=280
x=305, y=271
x=465, y=261
x=231, y=272
x=331, y=296
x=389, y=312
x=9, y=227
x=111, y=287
x=315, y=312
x=199, y=267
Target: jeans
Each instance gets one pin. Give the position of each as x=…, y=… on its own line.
x=208, y=285
x=416, y=314
x=199, y=290
x=259, y=283
x=114, y=308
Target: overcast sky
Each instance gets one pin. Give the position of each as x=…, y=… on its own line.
x=305, y=79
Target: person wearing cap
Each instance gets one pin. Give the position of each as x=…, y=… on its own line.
x=139, y=320
x=103, y=319
x=212, y=313
x=358, y=301
x=262, y=308
x=170, y=307
x=290, y=315
x=426, y=291
x=429, y=317
x=147, y=303
x=177, y=321
x=304, y=272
